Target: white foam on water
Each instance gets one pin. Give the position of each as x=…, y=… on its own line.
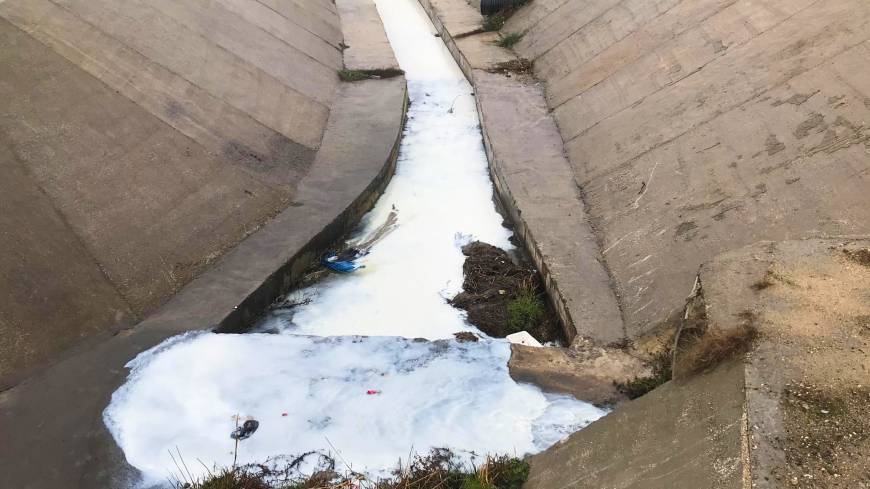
x=444, y=198
x=183, y=394
x=430, y=394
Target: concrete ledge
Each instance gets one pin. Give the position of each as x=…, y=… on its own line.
x=790, y=412
x=53, y=435
x=683, y=436
x=367, y=47
x=589, y=373
x=534, y=180
x=456, y=17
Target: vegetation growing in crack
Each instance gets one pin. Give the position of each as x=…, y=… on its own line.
x=715, y=345
x=661, y=373
x=509, y=40
x=494, y=22
x=353, y=75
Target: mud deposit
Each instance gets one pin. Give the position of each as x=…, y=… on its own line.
x=495, y=287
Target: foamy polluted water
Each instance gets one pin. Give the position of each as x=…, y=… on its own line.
x=344, y=371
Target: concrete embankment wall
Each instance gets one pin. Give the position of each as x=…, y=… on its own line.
x=139, y=142
x=699, y=126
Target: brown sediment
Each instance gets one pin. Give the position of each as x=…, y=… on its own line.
x=495, y=288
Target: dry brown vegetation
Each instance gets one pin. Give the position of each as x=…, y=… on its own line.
x=502, y=297
x=439, y=469
x=714, y=346
x=860, y=256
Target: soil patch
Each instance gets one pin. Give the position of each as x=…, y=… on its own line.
x=502, y=297
x=520, y=66
x=860, y=256
x=827, y=436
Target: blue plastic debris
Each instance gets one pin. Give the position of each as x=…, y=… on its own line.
x=343, y=263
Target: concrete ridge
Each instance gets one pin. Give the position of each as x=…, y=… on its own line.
x=533, y=178
x=367, y=47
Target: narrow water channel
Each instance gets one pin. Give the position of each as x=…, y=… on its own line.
x=347, y=370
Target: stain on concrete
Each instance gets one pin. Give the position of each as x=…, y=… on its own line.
x=685, y=228
x=285, y=162
x=702, y=205
x=815, y=121
x=718, y=46
x=760, y=189
x=842, y=135
x=837, y=101
x=796, y=99
x=174, y=110
x=725, y=210
x=773, y=145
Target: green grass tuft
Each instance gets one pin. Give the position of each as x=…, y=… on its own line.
x=494, y=22
x=508, y=41
x=525, y=310
x=661, y=373
x=353, y=75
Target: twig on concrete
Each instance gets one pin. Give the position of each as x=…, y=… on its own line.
x=645, y=186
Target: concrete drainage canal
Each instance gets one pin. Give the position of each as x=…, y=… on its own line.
x=363, y=365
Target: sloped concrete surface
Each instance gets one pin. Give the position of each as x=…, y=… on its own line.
x=699, y=126
x=533, y=177
x=53, y=435
x=678, y=436
x=155, y=136
x=366, y=45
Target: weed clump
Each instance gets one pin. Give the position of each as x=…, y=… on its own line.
x=525, y=310
x=639, y=386
x=494, y=22
x=508, y=41
x=439, y=469
x=714, y=346
x=353, y=75
x=520, y=66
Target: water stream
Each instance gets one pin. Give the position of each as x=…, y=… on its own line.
x=347, y=370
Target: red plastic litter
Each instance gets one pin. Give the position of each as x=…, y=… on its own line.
x=372, y=392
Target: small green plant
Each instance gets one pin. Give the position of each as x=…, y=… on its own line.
x=661, y=373
x=508, y=41
x=494, y=22
x=525, y=310
x=353, y=75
